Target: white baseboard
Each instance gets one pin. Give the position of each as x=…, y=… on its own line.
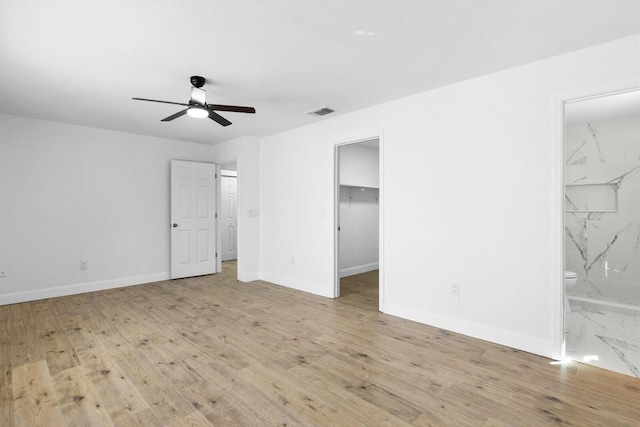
x=358, y=269
x=80, y=288
x=297, y=285
x=248, y=277
x=511, y=339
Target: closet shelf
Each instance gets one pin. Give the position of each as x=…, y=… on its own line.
x=359, y=186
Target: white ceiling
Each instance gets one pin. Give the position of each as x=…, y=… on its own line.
x=82, y=62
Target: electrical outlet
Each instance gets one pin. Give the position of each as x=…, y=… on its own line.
x=3, y=272
x=293, y=260
x=84, y=265
x=455, y=289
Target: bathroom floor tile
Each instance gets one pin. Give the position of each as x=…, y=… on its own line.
x=605, y=339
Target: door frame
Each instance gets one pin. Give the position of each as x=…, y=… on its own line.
x=558, y=320
x=379, y=135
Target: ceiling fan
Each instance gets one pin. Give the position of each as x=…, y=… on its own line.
x=197, y=106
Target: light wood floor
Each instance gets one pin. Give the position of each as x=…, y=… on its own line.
x=214, y=351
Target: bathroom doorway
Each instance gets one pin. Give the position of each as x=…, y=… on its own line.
x=358, y=220
x=602, y=231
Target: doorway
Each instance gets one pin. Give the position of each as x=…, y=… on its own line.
x=357, y=211
x=229, y=213
x=602, y=231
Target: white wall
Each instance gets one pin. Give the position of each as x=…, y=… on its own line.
x=72, y=193
x=359, y=225
x=486, y=157
x=246, y=151
x=359, y=166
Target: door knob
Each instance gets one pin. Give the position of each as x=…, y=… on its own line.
x=175, y=225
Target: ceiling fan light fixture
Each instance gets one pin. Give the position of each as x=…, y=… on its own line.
x=197, y=106
x=197, y=112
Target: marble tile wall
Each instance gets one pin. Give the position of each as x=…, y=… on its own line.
x=602, y=209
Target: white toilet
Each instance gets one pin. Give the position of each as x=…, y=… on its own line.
x=570, y=279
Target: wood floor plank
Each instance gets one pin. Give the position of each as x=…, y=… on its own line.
x=78, y=399
x=23, y=347
x=55, y=345
x=6, y=395
x=118, y=395
x=195, y=419
x=243, y=404
x=211, y=350
x=6, y=335
x=357, y=390
x=144, y=418
x=310, y=395
x=437, y=414
x=163, y=398
x=357, y=382
x=295, y=397
x=82, y=339
x=35, y=402
x=420, y=393
x=102, y=327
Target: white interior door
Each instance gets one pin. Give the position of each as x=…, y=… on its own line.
x=193, y=219
x=229, y=217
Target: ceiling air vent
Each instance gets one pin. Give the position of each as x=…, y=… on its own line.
x=320, y=111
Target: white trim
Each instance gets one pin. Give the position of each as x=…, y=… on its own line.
x=80, y=288
x=226, y=172
x=556, y=302
x=248, y=277
x=500, y=336
x=336, y=221
x=296, y=284
x=381, y=246
x=593, y=95
x=218, y=222
x=358, y=269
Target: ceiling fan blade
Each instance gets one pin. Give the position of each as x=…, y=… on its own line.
x=234, y=108
x=175, y=116
x=155, y=100
x=218, y=118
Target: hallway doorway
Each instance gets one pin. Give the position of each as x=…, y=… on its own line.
x=229, y=213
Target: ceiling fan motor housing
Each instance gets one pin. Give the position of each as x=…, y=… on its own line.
x=197, y=81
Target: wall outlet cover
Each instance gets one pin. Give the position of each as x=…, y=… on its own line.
x=455, y=289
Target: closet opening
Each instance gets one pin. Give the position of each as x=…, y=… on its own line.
x=358, y=221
